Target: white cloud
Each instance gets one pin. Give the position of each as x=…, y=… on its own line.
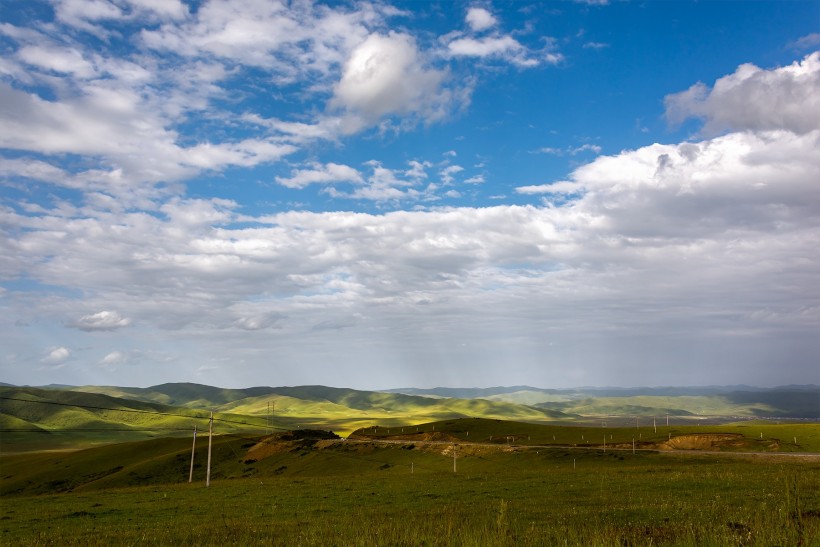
x=321, y=174
x=754, y=99
x=293, y=40
x=595, y=45
x=246, y=153
x=496, y=45
x=121, y=110
x=56, y=356
x=561, y=187
x=258, y=322
x=83, y=13
x=101, y=321
x=711, y=238
x=448, y=172
x=386, y=75
x=114, y=358
x=572, y=151
x=480, y=19
x=503, y=47
x=594, y=148
x=418, y=169
x=744, y=197
x=716, y=236
x=164, y=9
x=199, y=212
x=32, y=169
x=63, y=60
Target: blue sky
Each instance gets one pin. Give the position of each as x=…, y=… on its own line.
x=381, y=195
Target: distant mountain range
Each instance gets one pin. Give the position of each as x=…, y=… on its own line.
x=149, y=411
x=794, y=401
x=475, y=392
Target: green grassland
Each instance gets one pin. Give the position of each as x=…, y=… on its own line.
x=338, y=408
x=173, y=409
x=565, y=471
x=167, y=460
x=148, y=412
x=797, y=404
x=300, y=490
x=40, y=419
x=752, y=436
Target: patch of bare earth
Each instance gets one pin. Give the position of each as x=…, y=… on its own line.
x=290, y=441
x=703, y=441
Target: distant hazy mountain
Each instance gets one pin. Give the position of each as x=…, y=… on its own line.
x=345, y=408
x=796, y=401
x=471, y=393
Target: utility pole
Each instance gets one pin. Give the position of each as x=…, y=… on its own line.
x=454, y=457
x=193, y=449
x=210, y=442
x=654, y=424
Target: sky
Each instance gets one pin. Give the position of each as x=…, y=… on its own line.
x=409, y=194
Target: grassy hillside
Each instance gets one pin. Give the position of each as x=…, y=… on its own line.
x=736, y=437
x=786, y=401
x=345, y=410
x=318, y=401
x=38, y=419
x=792, y=404
x=314, y=453
x=340, y=409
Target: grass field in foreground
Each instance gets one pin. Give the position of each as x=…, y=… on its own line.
x=756, y=436
x=370, y=497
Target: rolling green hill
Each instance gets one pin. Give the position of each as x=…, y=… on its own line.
x=61, y=417
x=801, y=402
x=340, y=409
x=304, y=453
x=517, y=402
x=37, y=419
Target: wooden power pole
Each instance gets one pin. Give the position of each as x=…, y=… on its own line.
x=210, y=442
x=193, y=449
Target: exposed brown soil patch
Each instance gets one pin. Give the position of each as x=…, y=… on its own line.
x=703, y=441
x=289, y=441
x=434, y=436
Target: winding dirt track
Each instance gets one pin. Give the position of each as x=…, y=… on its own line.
x=808, y=456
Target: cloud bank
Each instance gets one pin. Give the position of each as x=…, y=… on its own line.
x=657, y=263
